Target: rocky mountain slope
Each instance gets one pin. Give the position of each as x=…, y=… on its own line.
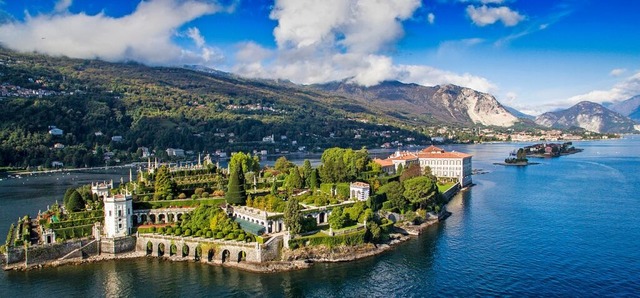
x=590, y=116
x=446, y=104
x=629, y=108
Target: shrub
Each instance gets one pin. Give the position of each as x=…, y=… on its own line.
x=182, y=196
x=230, y=236
x=241, y=237
x=208, y=234
x=161, y=230
x=219, y=235
x=205, y=194
x=187, y=232
x=198, y=233
x=169, y=230
x=169, y=197
x=177, y=231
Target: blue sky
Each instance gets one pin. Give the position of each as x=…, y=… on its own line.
x=533, y=55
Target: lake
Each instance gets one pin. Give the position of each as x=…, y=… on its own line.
x=566, y=227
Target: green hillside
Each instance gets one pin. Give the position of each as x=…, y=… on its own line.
x=160, y=107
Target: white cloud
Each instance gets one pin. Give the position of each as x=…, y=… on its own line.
x=623, y=90
x=63, y=5
x=431, y=18
x=194, y=34
x=617, y=72
x=483, y=15
x=321, y=41
x=145, y=35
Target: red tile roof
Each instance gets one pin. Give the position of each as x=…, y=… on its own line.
x=360, y=184
x=383, y=162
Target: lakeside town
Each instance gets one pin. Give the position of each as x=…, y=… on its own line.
x=248, y=216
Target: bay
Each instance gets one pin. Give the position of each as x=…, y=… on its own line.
x=566, y=227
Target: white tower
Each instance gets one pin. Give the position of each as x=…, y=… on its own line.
x=118, y=215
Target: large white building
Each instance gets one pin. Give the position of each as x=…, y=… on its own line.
x=118, y=215
x=359, y=191
x=443, y=164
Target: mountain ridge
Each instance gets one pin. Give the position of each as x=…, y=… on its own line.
x=590, y=116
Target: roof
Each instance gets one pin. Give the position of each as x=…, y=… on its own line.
x=443, y=155
x=383, y=162
x=250, y=227
x=360, y=184
x=433, y=149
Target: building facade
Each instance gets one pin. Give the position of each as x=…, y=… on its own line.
x=359, y=191
x=118, y=212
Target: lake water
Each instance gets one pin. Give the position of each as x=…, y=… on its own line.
x=566, y=227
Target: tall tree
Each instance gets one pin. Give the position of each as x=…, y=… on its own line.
x=75, y=202
x=393, y=193
x=306, y=172
x=236, y=193
x=163, y=185
x=293, y=216
x=293, y=179
x=282, y=164
x=420, y=191
x=313, y=180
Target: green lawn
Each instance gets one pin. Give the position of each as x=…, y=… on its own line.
x=444, y=187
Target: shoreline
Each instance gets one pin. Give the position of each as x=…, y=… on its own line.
x=298, y=259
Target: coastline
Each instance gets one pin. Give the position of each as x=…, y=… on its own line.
x=298, y=259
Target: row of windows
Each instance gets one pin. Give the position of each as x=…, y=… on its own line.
x=120, y=212
x=440, y=162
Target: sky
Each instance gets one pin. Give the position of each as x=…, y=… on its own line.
x=533, y=55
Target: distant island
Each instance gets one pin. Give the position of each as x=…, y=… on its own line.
x=551, y=149
x=517, y=158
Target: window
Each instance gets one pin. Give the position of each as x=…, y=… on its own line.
x=109, y=212
x=119, y=213
x=120, y=226
x=129, y=211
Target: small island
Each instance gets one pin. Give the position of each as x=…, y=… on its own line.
x=517, y=158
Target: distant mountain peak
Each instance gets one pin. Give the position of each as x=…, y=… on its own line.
x=590, y=116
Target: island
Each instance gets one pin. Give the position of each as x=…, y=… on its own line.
x=256, y=218
x=544, y=150
x=516, y=158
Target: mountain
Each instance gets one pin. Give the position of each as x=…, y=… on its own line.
x=590, y=116
x=519, y=114
x=445, y=104
x=629, y=108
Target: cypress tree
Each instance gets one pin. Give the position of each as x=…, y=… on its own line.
x=313, y=180
x=236, y=193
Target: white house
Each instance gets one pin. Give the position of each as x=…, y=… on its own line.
x=58, y=146
x=101, y=189
x=56, y=131
x=57, y=164
x=175, y=152
x=118, y=212
x=116, y=138
x=359, y=191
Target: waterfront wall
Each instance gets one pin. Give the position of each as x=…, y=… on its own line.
x=208, y=250
x=448, y=195
x=117, y=245
x=38, y=254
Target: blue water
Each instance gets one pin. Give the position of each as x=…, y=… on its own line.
x=566, y=227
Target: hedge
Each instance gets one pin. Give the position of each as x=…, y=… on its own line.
x=342, y=188
x=177, y=203
x=73, y=232
x=85, y=214
x=74, y=223
x=329, y=241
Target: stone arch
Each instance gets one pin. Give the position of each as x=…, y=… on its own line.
x=143, y=218
x=179, y=217
x=185, y=250
x=198, y=253
x=160, y=249
x=149, y=247
x=173, y=249
x=392, y=217
x=171, y=217
x=162, y=218
x=242, y=256
x=225, y=255
x=210, y=254
x=152, y=218
x=321, y=217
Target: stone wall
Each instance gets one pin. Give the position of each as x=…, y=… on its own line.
x=117, y=245
x=270, y=251
x=210, y=250
x=48, y=252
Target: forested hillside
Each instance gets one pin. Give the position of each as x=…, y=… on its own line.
x=159, y=108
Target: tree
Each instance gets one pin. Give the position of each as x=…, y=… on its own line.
x=306, y=172
x=236, y=193
x=274, y=187
x=67, y=195
x=410, y=172
x=283, y=165
x=293, y=179
x=394, y=194
x=338, y=219
x=420, y=191
x=247, y=162
x=293, y=216
x=313, y=181
x=163, y=185
x=400, y=169
x=75, y=202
